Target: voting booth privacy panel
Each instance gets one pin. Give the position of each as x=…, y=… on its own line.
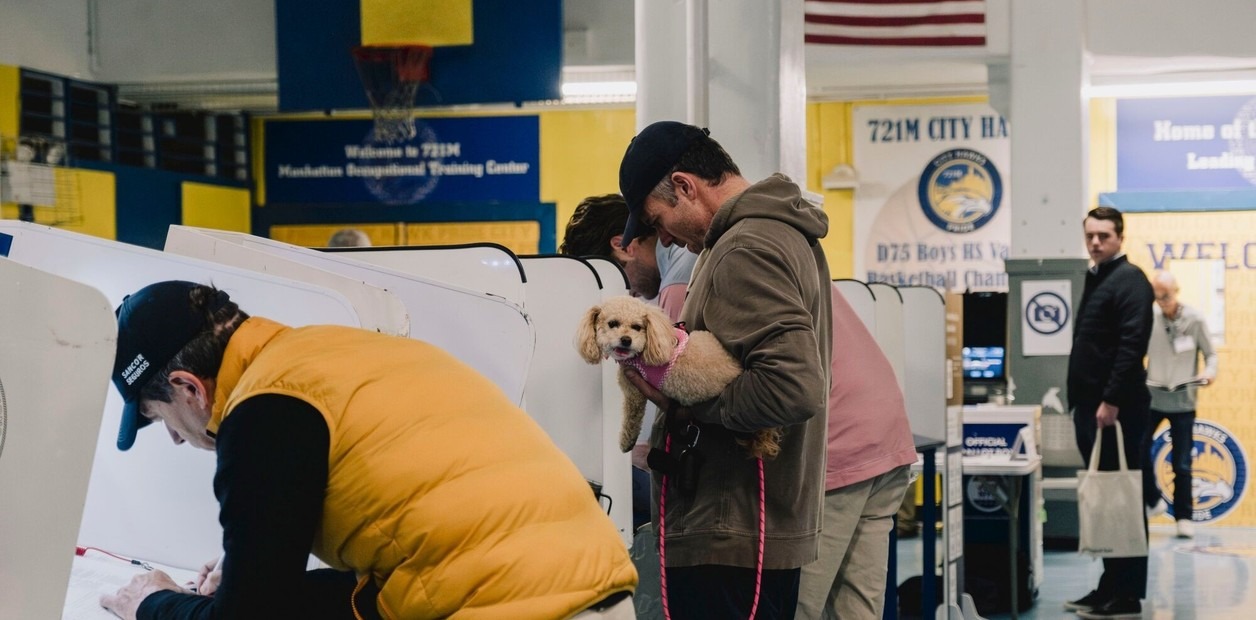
x=485, y=267
x=861, y=299
x=616, y=465
x=488, y=333
x=377, y=309
x=924, y=332
x=558, y=395
x=156, y=500
x=58, y=339
x=889, y=333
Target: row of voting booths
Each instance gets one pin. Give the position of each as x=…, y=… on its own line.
x=65, y=484
x=994, y=493
x=913, y=329
x=512, y=318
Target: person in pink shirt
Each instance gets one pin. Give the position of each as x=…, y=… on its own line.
x=869, y=453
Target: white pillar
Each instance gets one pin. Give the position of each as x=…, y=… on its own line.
x=660, y=53
x=756, y=80
x=1049, y=127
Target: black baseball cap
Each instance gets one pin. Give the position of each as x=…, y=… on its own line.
x=650, y=156
x=154, y=324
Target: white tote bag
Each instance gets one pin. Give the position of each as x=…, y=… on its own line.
x=1110, y=507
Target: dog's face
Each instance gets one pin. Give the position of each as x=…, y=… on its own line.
x=625, y=327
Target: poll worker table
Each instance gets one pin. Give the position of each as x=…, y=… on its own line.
x=1003, y=477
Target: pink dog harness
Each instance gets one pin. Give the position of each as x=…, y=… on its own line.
x=656, y=375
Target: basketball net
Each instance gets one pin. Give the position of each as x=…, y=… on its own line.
x=391, y=77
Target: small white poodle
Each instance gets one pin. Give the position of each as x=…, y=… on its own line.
x=688, y=368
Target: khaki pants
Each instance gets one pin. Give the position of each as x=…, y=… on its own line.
x=622, y=610
x=848, y=579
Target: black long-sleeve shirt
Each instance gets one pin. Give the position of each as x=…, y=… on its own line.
x=272, y=473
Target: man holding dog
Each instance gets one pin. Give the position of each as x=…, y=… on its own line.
x=429, y=493
x=762, y=287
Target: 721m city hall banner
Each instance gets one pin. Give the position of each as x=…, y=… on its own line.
x=932, y=204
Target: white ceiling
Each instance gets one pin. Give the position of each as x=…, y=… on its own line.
x=158, y=50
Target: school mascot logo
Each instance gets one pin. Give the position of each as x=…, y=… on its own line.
x=960, y=190
x=1218, y=471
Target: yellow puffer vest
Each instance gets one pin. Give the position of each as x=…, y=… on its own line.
x=439, y=489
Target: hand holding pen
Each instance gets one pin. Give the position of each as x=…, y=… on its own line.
x=208, y=578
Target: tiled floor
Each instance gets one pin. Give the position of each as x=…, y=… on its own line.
x=1210, y=577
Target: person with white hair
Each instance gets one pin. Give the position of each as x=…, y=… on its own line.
x=1179, y=338
x=349, y=238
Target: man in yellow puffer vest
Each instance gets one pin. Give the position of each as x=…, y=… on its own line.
x=428, y=493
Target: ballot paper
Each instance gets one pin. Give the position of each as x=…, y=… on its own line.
x=96, y=574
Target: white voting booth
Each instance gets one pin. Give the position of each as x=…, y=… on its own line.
x=889, y=332
x=563, y=392
x=57, y=341
x=485, y=267
x=924, y=362
x=156, y=501
x=911, y=326
x=616, y=465
x=486, y=332
x=861, y=299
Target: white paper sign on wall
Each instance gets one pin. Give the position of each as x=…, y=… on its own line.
x=1046, y=317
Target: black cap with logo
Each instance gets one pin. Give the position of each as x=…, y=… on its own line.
x=154, y=324
x=650, y=156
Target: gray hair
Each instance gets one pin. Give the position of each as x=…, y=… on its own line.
x=1167, y=279
x=349, y=238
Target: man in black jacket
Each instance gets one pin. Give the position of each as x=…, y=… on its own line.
x=1107, y=383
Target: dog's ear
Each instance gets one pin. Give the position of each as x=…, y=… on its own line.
x=660, y=338
x=586, y=336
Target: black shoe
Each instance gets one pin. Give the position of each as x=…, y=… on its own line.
x=1116, y=608
x=1086, y=603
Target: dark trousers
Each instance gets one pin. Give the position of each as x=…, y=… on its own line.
x=727, y=592
x=1182, y=442
x=1122, y=577
x=640, y=498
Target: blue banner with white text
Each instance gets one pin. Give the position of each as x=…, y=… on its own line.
x=465, y=160
x=1199, y=143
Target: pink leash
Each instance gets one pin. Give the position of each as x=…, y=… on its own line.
x=758, y=575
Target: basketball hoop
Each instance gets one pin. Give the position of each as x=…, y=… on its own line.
x=391, y=77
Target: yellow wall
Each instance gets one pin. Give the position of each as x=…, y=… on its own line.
x=10, y=81
x=519, y=237
x=215, y=206
x=1102, y=150
x=580, y=153
x=829, y=144
x=1229, y=401
x=86, y=203
x=317, y=235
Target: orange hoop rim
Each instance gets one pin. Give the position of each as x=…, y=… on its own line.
x=409, y=61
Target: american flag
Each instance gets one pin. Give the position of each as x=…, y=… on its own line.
x=896, y=23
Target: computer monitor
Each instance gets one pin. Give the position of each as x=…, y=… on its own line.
x=984, y=346
x=983, y=363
